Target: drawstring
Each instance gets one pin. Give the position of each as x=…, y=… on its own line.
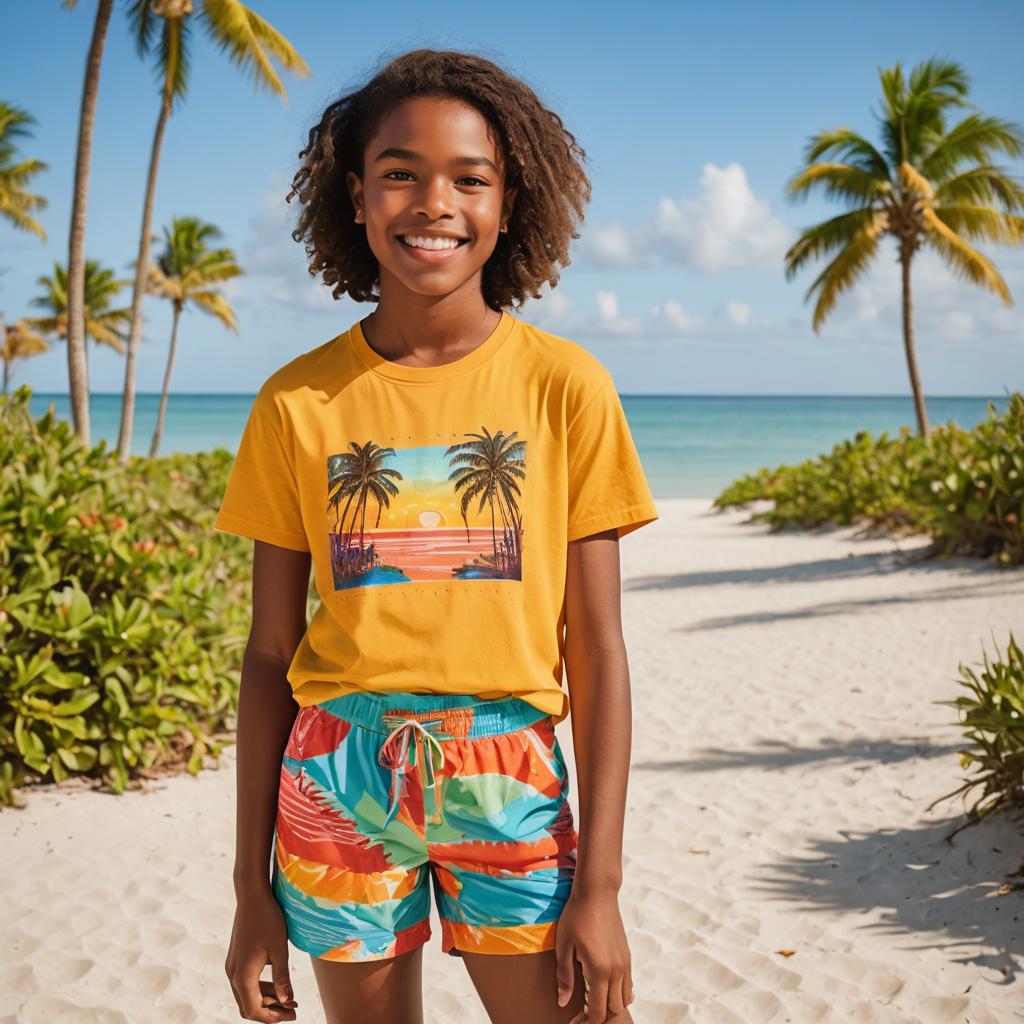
x=401, y=735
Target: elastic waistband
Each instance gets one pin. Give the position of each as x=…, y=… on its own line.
x=446, y=715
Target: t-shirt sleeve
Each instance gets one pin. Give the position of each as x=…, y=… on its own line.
x=607, y=485
x=261, y=499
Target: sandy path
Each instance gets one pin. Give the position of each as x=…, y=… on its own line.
x=785, y=748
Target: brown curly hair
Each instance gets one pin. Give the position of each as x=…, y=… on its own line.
x=541, y=156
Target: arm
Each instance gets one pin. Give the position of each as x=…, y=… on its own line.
x=266, y=710
x=266, y=713
x=599, y=694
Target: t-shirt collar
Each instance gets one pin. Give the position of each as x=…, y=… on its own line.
x=430, y=374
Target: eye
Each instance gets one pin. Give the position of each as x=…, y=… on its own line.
x=470, y=178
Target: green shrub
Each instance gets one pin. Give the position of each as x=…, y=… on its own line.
x=963, y=488
x=993, y=714
x=123, y=615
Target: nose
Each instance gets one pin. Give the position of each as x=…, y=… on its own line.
x=434, y=199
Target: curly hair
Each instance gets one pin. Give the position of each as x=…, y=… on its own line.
x=542, y=159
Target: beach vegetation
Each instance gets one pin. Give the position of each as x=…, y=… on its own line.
x=964, y=488
x=123, y=616
x=992, y=712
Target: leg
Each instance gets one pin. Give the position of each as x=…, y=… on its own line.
x=522, y=987
x=502, y=881
x=374, y=992
x=354, y=891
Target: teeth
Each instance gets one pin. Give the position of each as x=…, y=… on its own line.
x=430, y=243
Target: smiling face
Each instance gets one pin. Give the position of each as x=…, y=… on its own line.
x=432, y=196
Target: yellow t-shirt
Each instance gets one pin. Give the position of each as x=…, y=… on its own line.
x=437, y=503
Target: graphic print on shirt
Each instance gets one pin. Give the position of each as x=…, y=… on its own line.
x=427, y=513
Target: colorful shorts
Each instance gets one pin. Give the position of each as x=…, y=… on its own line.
x=381, y=791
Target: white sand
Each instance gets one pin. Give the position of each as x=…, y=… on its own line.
x=785, y=747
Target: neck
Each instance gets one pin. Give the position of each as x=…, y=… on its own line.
x=421, y=330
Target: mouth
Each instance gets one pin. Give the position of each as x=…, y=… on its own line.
x=430, y=250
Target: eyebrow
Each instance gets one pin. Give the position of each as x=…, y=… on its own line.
x=396, y=153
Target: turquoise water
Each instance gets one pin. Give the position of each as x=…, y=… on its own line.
x=691, y=445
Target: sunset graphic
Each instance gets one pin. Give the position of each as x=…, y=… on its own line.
x=435, y=512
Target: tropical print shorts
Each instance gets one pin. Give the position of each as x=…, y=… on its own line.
x=382, y=791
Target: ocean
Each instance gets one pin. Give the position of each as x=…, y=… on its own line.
x=692, y=446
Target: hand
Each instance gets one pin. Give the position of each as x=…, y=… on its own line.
x=590, y=930
x=260, y=937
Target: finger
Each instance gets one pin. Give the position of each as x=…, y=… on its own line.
x=252, y=997
x=270, y=997
x=564, y=972
x=597, y=1005
x=627, y=984
x=615, y=1003
x=279, y=971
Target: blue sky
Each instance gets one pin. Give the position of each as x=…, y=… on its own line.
x=693, y=116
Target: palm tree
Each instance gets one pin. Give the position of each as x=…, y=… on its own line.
x=78, y=379
x=926, y=184
x=20, y=342
x=105, y=325
x=250, y=42
x=187, y=271
x=488, y=468
x=16, y=201
x=357, y=475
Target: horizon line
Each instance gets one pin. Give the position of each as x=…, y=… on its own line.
x=625, y=394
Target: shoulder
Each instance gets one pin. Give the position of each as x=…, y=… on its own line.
x=283, y=391
x=565, y=362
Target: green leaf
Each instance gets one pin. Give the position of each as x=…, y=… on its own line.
x=77, y=705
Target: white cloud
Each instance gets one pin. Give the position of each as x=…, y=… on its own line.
x=556, y=311
x=674, y=314
x=608, y=315
x=277, y=262
x=611, y=246
x=946, y=309
x=725, y=227
x=737, y=312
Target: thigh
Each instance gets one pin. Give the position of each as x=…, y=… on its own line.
x=523, y=987
x=504, y=858
x=377, y=992
x=351, y=888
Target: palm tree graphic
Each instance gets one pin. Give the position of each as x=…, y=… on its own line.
x=488, y=468
x=353, y=477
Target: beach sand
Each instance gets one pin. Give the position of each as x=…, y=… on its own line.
x=779, y=863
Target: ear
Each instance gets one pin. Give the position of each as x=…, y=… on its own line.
x=355, y=191
x=508, y=204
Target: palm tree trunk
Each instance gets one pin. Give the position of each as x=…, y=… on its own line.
x=494, y=536
x=124, y=441
x=908, y=346
x=7, y=362
x=78, y=383
x=158, y=433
